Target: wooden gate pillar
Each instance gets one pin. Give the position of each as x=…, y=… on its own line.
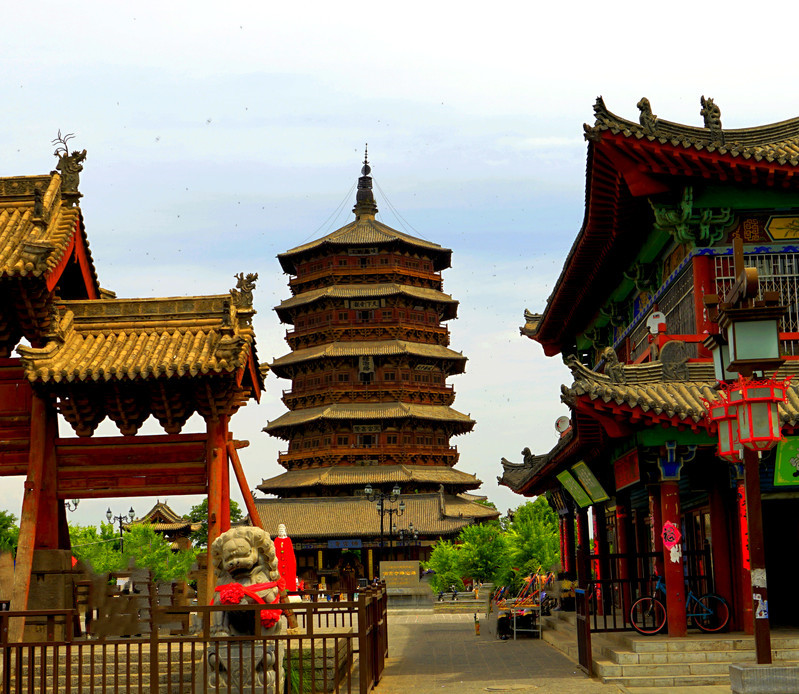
x=623, y=549
x=583, y=549
x=217, y=431
x=569, y=561
x=743, y=563
x=720, y=537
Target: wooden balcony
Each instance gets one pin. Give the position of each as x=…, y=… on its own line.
x=384, y=273
x=411, y=454
x=333, y=331
x=421, y=393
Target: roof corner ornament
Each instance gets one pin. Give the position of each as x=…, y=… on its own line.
x=613, y=367
x=648, y=120
x=531, y=323
x=69, y=165
x=712, y=116
x=242, y=294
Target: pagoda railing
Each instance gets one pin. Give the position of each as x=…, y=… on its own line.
x=397, y=452
x=343, y=271
x=335, y=330
x=360, y=388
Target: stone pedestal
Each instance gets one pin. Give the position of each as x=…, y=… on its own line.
x=764, y=679
x=239, y=667
x=50, y=589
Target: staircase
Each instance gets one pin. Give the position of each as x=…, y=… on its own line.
x=632, y=660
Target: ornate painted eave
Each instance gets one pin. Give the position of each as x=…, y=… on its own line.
x=361, y=291
x=459, y=422
x=357, y=477
x=366, y=232
x=381, y=348
x=628, y=163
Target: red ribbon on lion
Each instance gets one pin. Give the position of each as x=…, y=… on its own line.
x=234, y=593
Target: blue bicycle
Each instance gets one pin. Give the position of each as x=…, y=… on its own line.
x=710, y=612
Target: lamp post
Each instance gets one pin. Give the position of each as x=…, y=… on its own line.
x=381, y=499
x=410, y=533
x=120, y=519
x=747, y=410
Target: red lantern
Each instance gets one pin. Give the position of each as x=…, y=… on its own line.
x=757, y=402
x=725, y=415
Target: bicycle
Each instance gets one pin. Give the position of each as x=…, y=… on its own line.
x=710, y=612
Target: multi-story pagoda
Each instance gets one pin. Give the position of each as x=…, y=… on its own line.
x=369, y=402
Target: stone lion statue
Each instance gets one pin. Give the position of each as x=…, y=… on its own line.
x=245, y=568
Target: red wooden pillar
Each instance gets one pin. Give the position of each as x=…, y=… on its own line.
x=41, y=460
x=744, y=565
x=216, y=452
x=720, y=538
x=704, y=283
x=225, y=523
x=623, y=549
x=583, y=549
x=569, y=563
x=672, y=560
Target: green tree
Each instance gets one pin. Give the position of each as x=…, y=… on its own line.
x=98, y=549
x=9, y=532
x=199, y=514
x=148, y=549
x=444, y=562
x=483, y=553
x=533, y=540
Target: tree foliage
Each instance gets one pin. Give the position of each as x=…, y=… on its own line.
x=9, y=532
x=503, y=553
x=199, y=514
x=144, y=548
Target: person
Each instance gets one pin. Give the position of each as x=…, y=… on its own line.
x=454, y=592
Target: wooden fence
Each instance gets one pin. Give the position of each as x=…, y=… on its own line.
x=341, y=647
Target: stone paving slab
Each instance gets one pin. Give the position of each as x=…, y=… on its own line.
x=440, y=653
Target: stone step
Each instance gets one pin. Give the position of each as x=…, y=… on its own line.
x=674, y=684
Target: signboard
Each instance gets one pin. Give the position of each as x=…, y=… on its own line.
x=786, y=469
x=626, y=470
x=400, y=574
x=590, y=483
x=573, y=487
x=366, y=428
x=365, y=303
x=344, y=544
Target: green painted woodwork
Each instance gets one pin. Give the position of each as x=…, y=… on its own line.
x=739, y=198
x=692, y=224
x=657, y=436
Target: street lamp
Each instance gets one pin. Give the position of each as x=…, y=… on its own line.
x=747, y=410
x=381, y=499
x=120, y=519
x=71, y=504
x=409, y=534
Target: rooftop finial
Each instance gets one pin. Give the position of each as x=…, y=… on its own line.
x=364, y=198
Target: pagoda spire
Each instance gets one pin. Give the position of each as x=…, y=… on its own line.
x=365, y=207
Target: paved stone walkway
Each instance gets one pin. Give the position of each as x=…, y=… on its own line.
x=440, y=653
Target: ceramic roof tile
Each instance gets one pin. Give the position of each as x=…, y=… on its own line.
x=774, y=142
x=368, y=348
x=359, y=476
x=33, y=242
x=339, y=517
x=367, y=411
x=130, y=338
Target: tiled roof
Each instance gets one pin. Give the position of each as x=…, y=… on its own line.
x=366, y=411
x=358, y=291
x=433, y=515
x=33, y=241
x=359, y=476
x=777, y=142
x=103, y=340
x=364, y=232
x=379, y=348
x=646, y=390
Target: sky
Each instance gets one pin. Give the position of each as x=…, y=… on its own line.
x=221, y=134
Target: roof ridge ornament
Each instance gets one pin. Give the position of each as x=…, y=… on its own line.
x=648, y=120
x=69, y=166
x=712, y=117
x=364, y=199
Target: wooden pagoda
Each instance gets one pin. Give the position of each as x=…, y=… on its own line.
x=91, y=356
x=369, y=400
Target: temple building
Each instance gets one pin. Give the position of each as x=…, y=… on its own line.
x=369, y=403
x=175, y=528
x=634, y=316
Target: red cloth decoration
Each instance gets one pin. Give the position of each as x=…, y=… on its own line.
x=234, y=593
x=286, y=561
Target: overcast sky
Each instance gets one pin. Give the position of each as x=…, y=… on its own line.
x=221, y=134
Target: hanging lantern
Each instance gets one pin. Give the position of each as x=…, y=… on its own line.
x=725, y=414
x=757, y=404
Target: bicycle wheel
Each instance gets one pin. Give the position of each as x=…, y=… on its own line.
x=648, y=616
x=715, y=613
